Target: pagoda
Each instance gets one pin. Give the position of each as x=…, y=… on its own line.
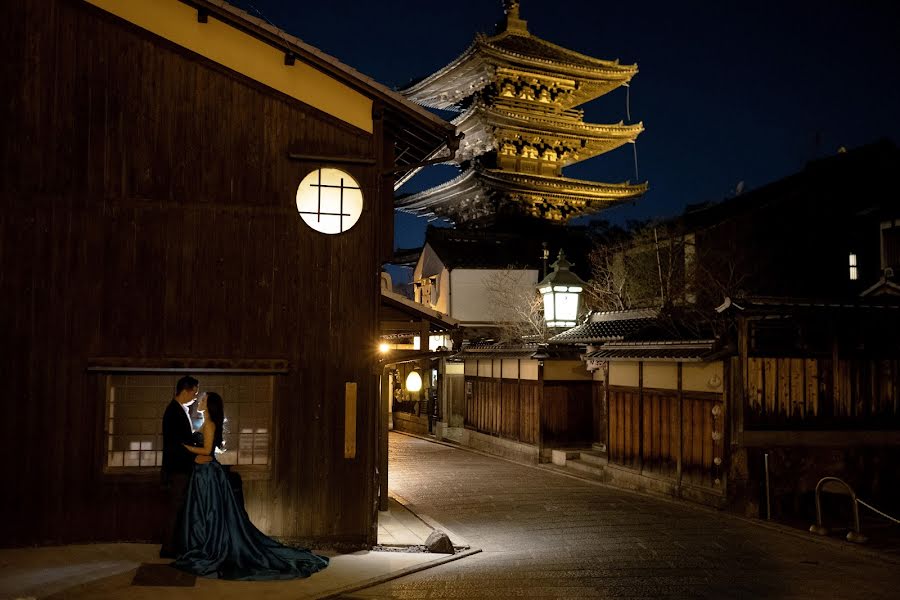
x=516, y=97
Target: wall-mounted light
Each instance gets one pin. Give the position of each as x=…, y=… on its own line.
x=414, y=381
x=383, y=347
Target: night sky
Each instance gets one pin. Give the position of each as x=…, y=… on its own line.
x=728, y=92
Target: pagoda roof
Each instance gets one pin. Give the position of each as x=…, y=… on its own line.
x=476, y=67
x=483, y=125
x=479, y=184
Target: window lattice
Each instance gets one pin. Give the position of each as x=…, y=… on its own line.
x=135, y=405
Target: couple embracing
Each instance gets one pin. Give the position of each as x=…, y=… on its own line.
x=208, y=532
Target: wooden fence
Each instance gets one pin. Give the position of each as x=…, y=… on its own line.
x=566, y=414
x=667, y=433
x=554, y=414
x=507, y=408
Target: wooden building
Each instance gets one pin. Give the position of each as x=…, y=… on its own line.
x=516, y=97
x=518, y=400
x=801, y=388
x=831, y=230
x=805, y=359
x=157, y=161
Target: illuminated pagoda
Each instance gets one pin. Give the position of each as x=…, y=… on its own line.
x=516, y=96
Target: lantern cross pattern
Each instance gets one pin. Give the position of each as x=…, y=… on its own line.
x=319, y=213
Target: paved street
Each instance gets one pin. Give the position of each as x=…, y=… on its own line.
x=550, y=536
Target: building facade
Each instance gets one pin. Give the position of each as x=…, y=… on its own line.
x=157, y=162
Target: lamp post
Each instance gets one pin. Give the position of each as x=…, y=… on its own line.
x=561, y=290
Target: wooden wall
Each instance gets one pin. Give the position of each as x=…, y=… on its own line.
x=148, y=215
x=550, y=414
x=507, y=408
x=667, y=433
x=566, y=413
x=600, y=413
x=820, y=392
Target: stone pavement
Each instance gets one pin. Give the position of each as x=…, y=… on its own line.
x=546, y=535
x=95, y=571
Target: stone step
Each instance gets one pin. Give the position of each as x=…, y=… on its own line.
x=601, y=448
x=584, y=467
x=594, y=458
x=559, y=456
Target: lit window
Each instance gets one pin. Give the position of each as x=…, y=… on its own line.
x=135, y=405
x=854, y=273
x=329, y=201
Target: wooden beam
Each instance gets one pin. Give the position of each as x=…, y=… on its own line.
x=350, y=419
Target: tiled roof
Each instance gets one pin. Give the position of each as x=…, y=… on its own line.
x=608, y=326
x=533, y=47
x=682, y=351
x=486, y=351
x=780, y=304
x=521, y=249
x=487, y=253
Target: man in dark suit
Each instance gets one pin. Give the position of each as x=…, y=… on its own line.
x=177, y=463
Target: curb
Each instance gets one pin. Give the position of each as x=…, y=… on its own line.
x=355, y=587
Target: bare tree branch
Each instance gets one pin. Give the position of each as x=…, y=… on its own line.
x=519, y=315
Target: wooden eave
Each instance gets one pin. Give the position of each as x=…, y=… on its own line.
x=396, y=309
x=414, y=129
x=593, y=138
x=559, y=187
x=463, y=186
x=475, y=67
x=484, y=181
x=547, y=122
x=468, y=71
x=603, y=70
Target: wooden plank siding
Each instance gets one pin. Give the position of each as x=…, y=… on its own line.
x=148, y=214
x=600, y=414
x=566, y=413
x=813, y=393
x=507, y=408
x=646, y=435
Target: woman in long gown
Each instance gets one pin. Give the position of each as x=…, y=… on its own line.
x=218, y=537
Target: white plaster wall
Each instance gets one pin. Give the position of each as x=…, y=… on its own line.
x=565, y=370
x=702, y=377
x=485, y=368
x=624, y=374
x=528, y=369
x=470, y=300
x=661, y=375
x=454, y=368
x=471, y=367
x=510, y=368
x=429, y=265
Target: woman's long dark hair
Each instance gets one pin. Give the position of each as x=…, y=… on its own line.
x=215, y=410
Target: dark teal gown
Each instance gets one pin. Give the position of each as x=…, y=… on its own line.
x=220, y=541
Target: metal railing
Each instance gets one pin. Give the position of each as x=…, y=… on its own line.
x=833, y=485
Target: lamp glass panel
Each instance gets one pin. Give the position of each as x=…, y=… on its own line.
x=566, y=306
x=548, y=307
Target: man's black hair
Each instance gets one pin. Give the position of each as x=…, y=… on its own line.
x=185, y=383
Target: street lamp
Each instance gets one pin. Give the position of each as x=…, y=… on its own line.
x=561, y=290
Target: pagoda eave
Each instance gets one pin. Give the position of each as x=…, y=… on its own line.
x=562, y=187
x=477, y=183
